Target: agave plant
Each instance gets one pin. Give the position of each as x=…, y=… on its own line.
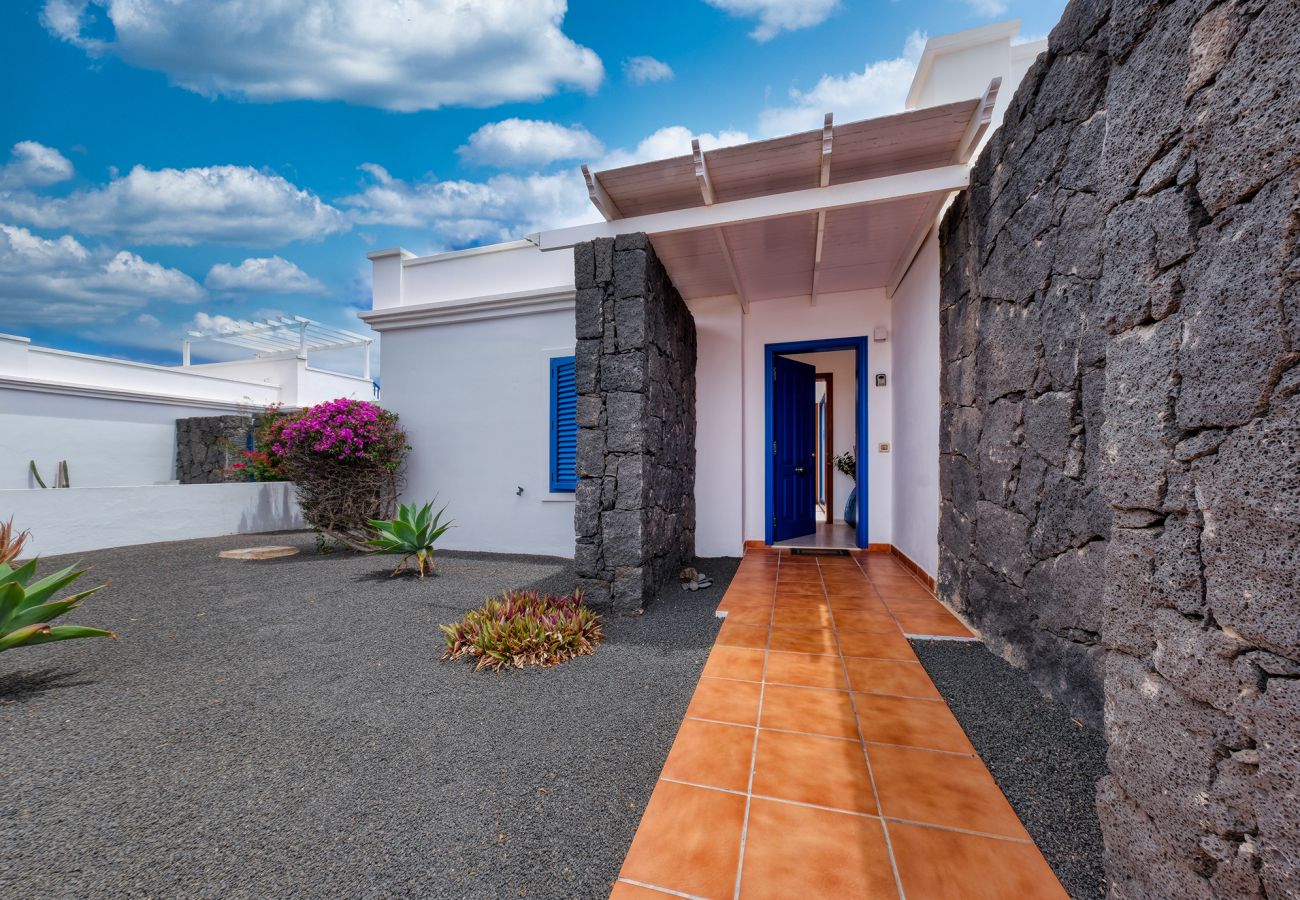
x=26, y=609
x=412, y=534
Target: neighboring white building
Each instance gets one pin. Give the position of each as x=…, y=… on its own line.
x=818, y=237
x=114, y=421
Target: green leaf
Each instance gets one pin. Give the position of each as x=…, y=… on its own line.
x=10, y=596
x=21, y=575
x=46, y=611
x=67, y=633
x=22, y=636
x=43, y=589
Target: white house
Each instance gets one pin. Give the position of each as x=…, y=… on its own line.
x=817, y=248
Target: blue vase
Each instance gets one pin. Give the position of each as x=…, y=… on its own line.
x=851, y=508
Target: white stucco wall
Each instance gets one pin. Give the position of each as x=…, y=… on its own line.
x=297, y=383
x=74, y=520
x=403, y=279
x=916, y=411
x=105, y=441
x=841, y=365
x=474, y=399
x=719, y=427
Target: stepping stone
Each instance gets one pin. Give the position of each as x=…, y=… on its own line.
x=271, y=552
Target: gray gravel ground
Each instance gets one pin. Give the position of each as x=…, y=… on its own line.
x=285, y=729
x=1046, y=763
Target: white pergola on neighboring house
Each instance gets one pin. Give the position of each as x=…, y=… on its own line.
x=287, y=336
x=842, y=208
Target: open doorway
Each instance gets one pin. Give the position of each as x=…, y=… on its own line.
x=816, y=421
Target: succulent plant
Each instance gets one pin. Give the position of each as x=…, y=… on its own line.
x=412, y=534
x=11, y=542
x=523, y=628
x=26, y=609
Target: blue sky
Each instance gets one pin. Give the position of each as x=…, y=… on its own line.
x=163, y=164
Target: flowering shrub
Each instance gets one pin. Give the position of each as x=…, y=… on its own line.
x=524, y=628
x=345, y=457
x=341, y=429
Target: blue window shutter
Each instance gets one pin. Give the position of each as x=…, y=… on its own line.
x=564, y=425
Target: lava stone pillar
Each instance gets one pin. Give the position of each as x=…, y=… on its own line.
x=635, y=372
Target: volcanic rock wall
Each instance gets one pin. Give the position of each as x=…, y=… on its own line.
x=635, y=375
x=1121, y=423
x=206, y=446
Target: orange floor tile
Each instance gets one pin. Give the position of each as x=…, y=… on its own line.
x=817, y=759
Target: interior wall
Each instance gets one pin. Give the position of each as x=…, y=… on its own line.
x=474, y=400
x=841, y=365
x=916, y=410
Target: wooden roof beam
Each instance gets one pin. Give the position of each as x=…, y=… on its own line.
x=824, y=179
x=884, y=189
x=979, y=122
x=702, y=172
x=599, y=198
x=706, y=191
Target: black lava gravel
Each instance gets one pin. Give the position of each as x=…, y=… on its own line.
x=286, y=729
x=1046, y=763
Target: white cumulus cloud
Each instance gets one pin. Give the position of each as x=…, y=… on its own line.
x=529, y=142
x=504, y=207
x=34, y=165
x=460, y=212
x=405, y=56
x=988, y=8
x=879, y=89
x=646, y=69
x=61, y=281
x=776, y=16
x=672, y=140
x=212, y=204
x=269, y=275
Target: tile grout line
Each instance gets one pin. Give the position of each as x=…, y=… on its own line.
x=662, y=890
x=850, y=812
x=832, y=737
x=871, y=775
x=758, y=721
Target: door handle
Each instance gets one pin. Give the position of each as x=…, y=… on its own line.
x=800, y=470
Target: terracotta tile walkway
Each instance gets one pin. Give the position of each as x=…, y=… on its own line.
x=817, y=759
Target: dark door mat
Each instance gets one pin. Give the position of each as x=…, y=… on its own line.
x=818, y=551
x=1045, y=761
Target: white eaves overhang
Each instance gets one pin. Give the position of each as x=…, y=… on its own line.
x=845, y=207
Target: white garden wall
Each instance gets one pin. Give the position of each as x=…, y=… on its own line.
x=75, y=520
x=916, y=411
x=106, y=441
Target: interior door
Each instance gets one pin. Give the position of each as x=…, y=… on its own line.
x=794, y=433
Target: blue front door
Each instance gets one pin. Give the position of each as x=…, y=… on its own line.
x=794, y=433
